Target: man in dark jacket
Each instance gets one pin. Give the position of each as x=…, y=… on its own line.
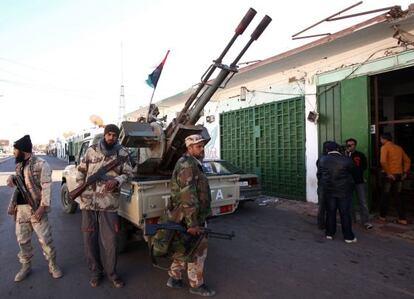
x=336, y=177
x=360, y=162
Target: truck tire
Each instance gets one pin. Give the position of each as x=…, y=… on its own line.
x=67, y=206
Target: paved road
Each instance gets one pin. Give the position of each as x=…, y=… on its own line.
x=4, y=158
x=276, y=254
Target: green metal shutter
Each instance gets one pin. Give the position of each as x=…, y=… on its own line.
x=268, y=140
x=329, y=109
x=355, y=111
x=344, y=112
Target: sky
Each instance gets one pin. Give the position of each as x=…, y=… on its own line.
x=62, y=61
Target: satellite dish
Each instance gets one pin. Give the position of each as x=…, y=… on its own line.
x=97, y=121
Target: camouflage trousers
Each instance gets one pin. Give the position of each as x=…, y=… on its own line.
x=195, y=269
x=25, y=225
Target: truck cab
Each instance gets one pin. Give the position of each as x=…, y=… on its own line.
x=76, y=149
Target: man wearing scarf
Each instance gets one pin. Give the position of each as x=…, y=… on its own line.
x=99, y=205
x=31, y=211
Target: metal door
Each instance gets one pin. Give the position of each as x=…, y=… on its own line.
x=268, y=140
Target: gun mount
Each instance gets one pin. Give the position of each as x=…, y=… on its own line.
x=160, y=149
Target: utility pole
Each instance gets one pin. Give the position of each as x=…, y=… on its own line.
x=121, y=106
x=121, y=109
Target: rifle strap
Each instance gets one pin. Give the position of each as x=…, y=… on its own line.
x=36, y=185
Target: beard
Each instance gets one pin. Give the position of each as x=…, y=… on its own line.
x=107, y=145
x=19, y=158
x=200, y=156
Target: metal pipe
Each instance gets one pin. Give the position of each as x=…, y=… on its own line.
x=309, y=36
x=338, y=13
x=245, y=22
x=362, y=13
x=254, y=36
x=376, y=136
x=194, y=114
x=261, y=27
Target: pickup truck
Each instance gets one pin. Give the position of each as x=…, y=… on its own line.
x=144, y=199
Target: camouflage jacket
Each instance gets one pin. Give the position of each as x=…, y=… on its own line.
x=38, y=180
x=96, y=197
x=190, y=193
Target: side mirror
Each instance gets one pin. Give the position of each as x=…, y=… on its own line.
x=71, y=158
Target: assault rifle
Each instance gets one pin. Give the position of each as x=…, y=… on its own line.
x=99, y=175
x=160, y=247
x=151, y=230
x=18, y=181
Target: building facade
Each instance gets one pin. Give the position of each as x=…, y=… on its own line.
x=273, y=116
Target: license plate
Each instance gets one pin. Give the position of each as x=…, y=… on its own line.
x=215, y=211
x=244, y=183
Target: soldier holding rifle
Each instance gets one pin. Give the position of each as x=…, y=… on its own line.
x=99, y=204
x=190, y=206
x=30, y=205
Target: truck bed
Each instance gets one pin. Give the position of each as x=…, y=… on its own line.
x=144, y=200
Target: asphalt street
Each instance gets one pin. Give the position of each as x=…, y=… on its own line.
x=276, y=254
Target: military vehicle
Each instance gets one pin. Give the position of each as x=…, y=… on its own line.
x=145, y=197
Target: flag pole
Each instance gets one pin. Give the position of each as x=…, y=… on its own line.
x=149, y=107
x=153, y=79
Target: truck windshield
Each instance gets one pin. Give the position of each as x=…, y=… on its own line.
x=221, y=168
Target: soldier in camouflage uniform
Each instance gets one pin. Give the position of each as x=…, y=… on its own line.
x=37, y=178
x=99, y=204
x=190, y=206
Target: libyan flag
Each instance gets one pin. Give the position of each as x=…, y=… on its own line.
x=155, y=75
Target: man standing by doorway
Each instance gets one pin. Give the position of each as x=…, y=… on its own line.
x=360, y=162
x=336, y=177
x=395, y=165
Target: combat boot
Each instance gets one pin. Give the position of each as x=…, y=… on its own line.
x=54, y=269
x=175, y=283
x=203, y=290
x=24, y=272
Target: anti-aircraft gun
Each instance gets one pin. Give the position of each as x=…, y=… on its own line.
x=160, y=149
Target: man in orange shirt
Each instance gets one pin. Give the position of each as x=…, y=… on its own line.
x=396, y=165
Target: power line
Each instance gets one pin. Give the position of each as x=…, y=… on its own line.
x=26, y=66
x=49, y=73
x=68, y=92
